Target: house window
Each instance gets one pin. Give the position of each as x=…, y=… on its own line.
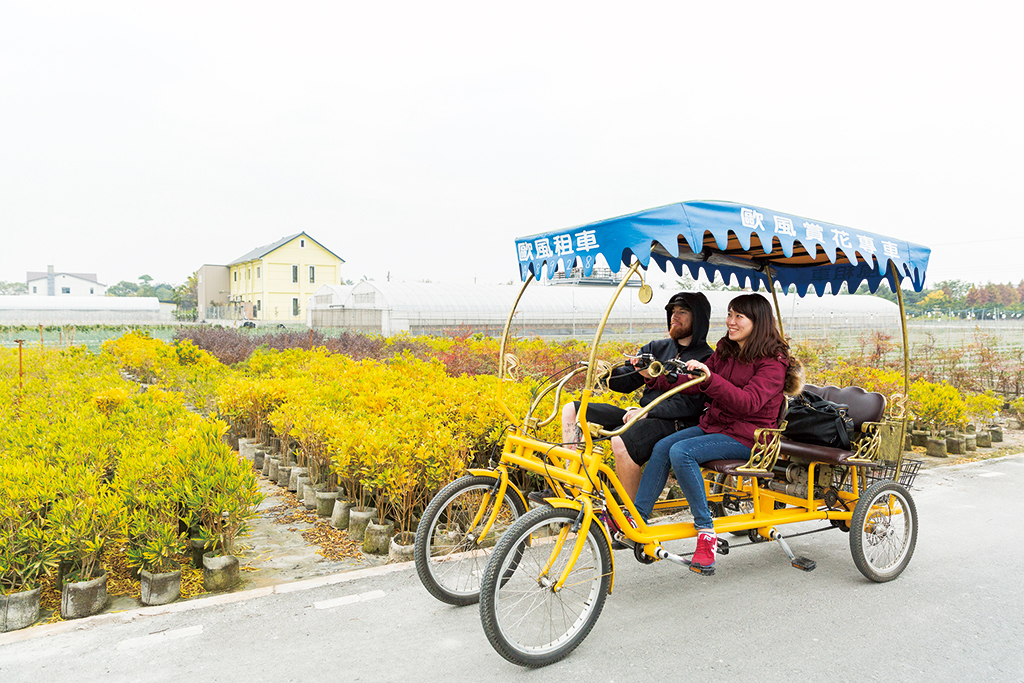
x=312, y=274
x=295, y=274
x=90, y=290
x=65, y=290
x=295, y=305
x=248, y=273
x=236, y=276
x=257, y=272
x=302, y=244
x=34, y=290
x=259, y=302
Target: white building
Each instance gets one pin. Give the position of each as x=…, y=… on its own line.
x=50, y=283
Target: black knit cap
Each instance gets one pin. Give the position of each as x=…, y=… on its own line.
x=678, y=300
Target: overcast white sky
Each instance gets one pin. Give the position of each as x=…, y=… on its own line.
x=421, y=138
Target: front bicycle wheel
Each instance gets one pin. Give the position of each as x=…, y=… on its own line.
x=883, y=531
x=450, y=553
x=525, y=619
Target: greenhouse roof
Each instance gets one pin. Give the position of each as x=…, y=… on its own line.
x=424, y=297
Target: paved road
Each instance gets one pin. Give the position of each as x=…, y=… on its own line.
x=955, y=614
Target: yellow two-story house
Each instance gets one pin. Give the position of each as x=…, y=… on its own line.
x=275, y=282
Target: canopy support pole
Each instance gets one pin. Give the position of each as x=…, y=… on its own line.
x=501, y=352
x=906, y=369
x=775, y=298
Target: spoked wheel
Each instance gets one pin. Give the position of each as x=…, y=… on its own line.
x=525, y=619
x=728, y=483
x=450, y=554
x=883, y=531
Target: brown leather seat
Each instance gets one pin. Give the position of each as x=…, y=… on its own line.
x=729, y=467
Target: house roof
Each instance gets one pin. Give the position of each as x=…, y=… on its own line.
x=260, y=252
x=41, y=275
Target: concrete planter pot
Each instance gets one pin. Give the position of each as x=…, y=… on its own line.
x=377, y=537
x=309, y=496
x=257, y=460
x=996, y=433
x=936, y=447
x=18, y=610
x=159, y=589
x=325, y=503
x=220, y=572
x=198, y=550
x=293, y=477
x=339, y=517
x=970, y=442
x=82, y=598
x=284, y=472
x=401, y=548
x=358, y=518
x=275, y=463
x=984, y=439
x=300, y=487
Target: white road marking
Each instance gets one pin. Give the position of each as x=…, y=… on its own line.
x=348, y=600
x=991, y=474
x=160, y=637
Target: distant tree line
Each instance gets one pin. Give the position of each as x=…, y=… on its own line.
x=185, y=294
x=961, y=299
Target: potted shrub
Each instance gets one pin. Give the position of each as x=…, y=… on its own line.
x=25, y=557
x=154, y=545
x=82, y=526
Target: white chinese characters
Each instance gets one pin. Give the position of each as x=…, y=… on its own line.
x=563, y=244
x=751, y=219
x=586, y=240
x=543, y=248
x=814, y=231
x=784, y=226
x=841, y=237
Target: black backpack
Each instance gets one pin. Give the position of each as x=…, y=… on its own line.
x=814, y=420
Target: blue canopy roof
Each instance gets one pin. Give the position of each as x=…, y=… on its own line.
x=731, y=239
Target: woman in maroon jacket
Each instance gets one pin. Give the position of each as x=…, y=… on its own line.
x=747, y=376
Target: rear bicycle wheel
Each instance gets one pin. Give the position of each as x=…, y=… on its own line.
x=883, y=531
x=525, y=620
x=449, y=552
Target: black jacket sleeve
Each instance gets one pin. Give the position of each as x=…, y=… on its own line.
x=683, y=407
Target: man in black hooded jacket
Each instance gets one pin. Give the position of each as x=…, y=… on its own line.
x=687, y=315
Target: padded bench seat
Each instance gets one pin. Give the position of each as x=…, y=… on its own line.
x=864, y=406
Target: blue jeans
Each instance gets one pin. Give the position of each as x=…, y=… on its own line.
x=685, y=451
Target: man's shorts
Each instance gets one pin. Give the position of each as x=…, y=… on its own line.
x=639, y=439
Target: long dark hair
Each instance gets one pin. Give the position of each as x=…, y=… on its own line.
x=764, y=340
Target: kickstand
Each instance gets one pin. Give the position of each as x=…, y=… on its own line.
x=802, y=563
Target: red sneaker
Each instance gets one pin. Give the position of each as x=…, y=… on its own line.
x=703, y=561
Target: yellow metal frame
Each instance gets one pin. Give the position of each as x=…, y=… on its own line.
x=581, y=479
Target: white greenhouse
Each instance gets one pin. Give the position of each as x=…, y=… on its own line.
x=83, y=310
x=560, y=311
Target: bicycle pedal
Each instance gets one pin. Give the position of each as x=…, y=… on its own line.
x=703, y=571
x=804, y=564
x=723, y=547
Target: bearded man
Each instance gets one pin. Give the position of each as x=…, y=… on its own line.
x=687, y=316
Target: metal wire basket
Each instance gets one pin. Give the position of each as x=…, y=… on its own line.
x=887, y=471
